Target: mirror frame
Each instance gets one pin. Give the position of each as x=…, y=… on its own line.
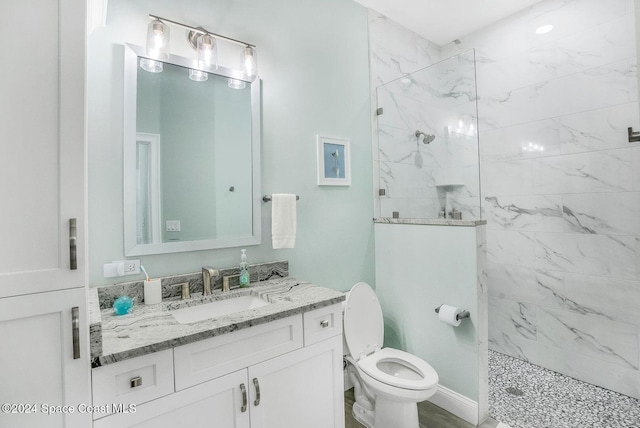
x=131, y=247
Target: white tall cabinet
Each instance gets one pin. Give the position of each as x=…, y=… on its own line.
x=42, y=187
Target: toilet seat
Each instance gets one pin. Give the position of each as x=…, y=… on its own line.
x=419, y=375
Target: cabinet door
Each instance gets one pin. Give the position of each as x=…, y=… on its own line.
x=217, y=403
x=42, y=159
x=299, y=389
x=37, y=365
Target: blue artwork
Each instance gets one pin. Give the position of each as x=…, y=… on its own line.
x=334, y=160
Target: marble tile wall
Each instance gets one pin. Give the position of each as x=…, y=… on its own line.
x=561, y=187
x=560, y=181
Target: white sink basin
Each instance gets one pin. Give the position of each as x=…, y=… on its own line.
x=217, y=308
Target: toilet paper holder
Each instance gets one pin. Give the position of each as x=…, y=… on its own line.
x=461, y=315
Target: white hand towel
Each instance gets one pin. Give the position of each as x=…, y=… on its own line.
x=283, y=220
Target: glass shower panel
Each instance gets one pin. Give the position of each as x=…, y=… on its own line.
x=428, y=142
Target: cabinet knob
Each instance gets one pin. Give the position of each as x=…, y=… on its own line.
x=135, y=381
x=324, y=323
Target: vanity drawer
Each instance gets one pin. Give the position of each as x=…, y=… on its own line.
x=208, y=359
x=132, y=381
x=323, y=323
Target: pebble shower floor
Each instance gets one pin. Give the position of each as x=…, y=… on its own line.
x=523, y=395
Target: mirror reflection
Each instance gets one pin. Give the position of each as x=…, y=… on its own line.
x=189, y=165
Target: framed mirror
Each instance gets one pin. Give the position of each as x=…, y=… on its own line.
x=191, y=157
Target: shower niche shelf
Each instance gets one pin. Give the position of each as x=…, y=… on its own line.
x=452, y=185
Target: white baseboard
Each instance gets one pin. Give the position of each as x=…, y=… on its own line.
x=461, y=406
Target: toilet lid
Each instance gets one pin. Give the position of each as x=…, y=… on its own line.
x=363, y=323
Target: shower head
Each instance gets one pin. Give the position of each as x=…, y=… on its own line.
x=426, y=138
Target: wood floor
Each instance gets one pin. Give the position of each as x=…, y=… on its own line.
x=429, y=415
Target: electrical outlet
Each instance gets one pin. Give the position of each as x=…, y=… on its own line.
x=121, y=268
x=173, y=225
x=131, y=267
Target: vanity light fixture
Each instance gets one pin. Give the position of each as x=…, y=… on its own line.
x=204, y=42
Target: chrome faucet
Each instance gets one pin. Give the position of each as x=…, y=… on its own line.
x=185, y=293
x=225, y=282
x=208, y=273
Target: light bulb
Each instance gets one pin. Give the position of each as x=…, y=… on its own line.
x=250, y=61
x=207, y=52
x=158, y=40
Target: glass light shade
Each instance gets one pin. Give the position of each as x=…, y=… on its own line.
x=158, y=40
x=250, y=61
x=198, y=76
x=236, y=84
x=151, y=65
x=207, y=52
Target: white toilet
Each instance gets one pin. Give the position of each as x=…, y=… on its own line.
x=388, y=383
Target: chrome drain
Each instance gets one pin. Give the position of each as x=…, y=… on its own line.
x=514, y=391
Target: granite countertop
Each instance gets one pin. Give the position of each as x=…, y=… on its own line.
x=152, y=328
x=430, y=222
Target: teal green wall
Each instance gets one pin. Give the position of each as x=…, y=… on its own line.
x=313, y=60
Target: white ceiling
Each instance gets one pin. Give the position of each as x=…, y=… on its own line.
x=442, y=21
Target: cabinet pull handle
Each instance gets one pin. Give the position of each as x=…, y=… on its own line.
x=73, y=259
x=135, y=381
x=75, y=331
x=257, y=385
x=324, y=323
x=243, y=389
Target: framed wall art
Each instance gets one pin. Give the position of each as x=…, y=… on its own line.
x=333, y=161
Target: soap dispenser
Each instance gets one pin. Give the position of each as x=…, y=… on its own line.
x=244, y=269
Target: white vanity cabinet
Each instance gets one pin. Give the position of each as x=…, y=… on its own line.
x=299, y=389
x=258, y=377
x=214, y=403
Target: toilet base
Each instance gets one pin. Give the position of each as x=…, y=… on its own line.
x=395, y=414
x=388, y=414
x=362, y=415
